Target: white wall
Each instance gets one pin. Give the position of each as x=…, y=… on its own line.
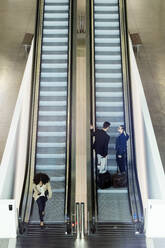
x=14, y=158
x=149, y=166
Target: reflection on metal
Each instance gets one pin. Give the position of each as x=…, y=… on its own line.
x=134, y=192
x=82, y=221
x=68, y=130
x=78, y=219
x=81, y=24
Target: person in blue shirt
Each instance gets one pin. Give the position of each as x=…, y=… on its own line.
x=121, y=148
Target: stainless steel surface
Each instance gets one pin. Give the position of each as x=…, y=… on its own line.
x=78, y=219
x=82, y=221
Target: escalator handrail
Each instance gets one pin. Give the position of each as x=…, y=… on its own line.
x=133, y=184
x=29, y=171
x=93, y=116
x=67, y=209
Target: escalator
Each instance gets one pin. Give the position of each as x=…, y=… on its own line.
x=113, y=210
x=109, y=102
x=50, y=132
x=52, y=114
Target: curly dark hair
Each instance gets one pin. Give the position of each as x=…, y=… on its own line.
x=41, y=177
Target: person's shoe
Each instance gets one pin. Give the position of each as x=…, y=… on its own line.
x=41, y=224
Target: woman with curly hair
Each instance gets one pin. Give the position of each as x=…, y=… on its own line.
x=42, y=192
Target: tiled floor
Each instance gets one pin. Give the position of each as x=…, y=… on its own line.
x=144, y=16
x=147, y=18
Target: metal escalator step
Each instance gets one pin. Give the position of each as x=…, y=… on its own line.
x=51, y=150
x=110, y=119
x=108, y=105
x=51, y=145
x=109, y=114
x=106, y=4
x=107, y=40
x=53, y=98
x=58, y=184
x=50, y=156
x=105, y=8
x=52, y=167
x=110, y=53
x=108, y=89
x=57, y=179
x=53, y=84
x=50, y=139
x=107, y=44
x=107, y=48
x=52, y=104
x=53, y=36
x=107, y=24
x=119, y=210
x=53, y=88
x=102, y=60
x=107, y=15
x=56, y=19
x=108, y=80
x=52, y=108
x=55, y=29
x=54, y=61
x=54, y=39
x=54, y=53
x=53, y=71
x=112, y=99
x=108, y=66
x=107, y=1
x=50, y=161
x=107, y=71
x=109, y=94
x=52, y=118
x=49, y=93
x=54, y=66
x=105, y=20
x=110, y=109
x=107, y=36
x=52, y=173
x=51, y=134
x=55, y=23
x=109, y=75
x=55, y=44
x=54, y=48
x=57, y=4
x=55, y=12
x=113, y=124
x=113, y=191
x=109, y=85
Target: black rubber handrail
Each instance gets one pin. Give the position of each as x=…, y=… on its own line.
x=133, y=184
x=68, y=182
x=26, y=184
x=93, y=120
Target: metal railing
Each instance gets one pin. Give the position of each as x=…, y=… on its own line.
x=133, y=184
x=26, y=198
x=80, y=220
x=67, y=209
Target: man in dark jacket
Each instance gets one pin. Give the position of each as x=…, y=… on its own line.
x=101, y=146
x=121, y=149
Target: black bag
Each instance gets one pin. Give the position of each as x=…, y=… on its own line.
x=119, y=180
x=104, y=180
